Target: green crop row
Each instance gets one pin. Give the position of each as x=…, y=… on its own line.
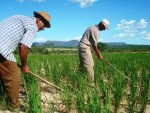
x=112, y=93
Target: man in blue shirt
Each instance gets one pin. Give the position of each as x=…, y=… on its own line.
x=17, y=31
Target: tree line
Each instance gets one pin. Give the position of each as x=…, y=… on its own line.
x=103, y=47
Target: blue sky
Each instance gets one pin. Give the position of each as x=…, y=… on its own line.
x=129, y=19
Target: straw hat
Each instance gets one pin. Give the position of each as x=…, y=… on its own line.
x=45, y=17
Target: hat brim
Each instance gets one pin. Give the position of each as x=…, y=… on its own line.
x=46, y=23
x=107, y=28
x=104, y=26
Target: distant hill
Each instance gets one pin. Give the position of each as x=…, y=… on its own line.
x=71, y=43
x=116, y=43
x=112, y=46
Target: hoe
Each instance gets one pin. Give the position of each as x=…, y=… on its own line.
x=40, y=78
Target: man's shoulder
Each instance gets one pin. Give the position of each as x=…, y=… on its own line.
x=24, y=19
x=21, y=16
x=93, y=28
x=17, y=17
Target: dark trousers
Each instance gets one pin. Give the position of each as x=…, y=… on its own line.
x=10, y=77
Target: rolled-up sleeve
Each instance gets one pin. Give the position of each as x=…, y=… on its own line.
x=94, y=38
x=28, y=37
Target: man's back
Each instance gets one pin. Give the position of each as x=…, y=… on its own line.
x=90, y=36
x=13, y=30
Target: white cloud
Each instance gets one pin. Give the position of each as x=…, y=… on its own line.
x=143, y=32
x=124, y=24
x=125, y=35
x=101, y=40
x=77, y=38
x=132, y=35
x=66, y=39
x=145, y=35
x=120, y=35
x=131, y=29
x=84, y=3
x=41, y=39
x=142, y=24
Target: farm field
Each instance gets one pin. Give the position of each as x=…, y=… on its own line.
x=62, y=49
x=113, y=93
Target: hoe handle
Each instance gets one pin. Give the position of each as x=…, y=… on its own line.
x=116, y=69
x=40, y=78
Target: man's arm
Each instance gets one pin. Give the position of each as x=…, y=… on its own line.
x=97, y=52
x=23, y=52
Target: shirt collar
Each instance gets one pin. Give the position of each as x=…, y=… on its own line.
x=34, y=18
x=97, y=27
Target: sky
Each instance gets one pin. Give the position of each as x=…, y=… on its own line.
x=129, y=19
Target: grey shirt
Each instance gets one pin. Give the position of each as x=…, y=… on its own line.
x=91, y=35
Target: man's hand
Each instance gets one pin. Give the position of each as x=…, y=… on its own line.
x=100, y=56
x=25, y=69
x=23, y=52
x=97, y=52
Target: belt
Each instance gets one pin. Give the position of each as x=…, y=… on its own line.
x=85, y=43
x=2, y=59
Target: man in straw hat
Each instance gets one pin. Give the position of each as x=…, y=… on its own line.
x=16, y=31
x=88, y=40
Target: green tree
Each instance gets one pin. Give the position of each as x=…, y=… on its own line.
x=49, y=44
x=102, y=46
x=39, y=50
